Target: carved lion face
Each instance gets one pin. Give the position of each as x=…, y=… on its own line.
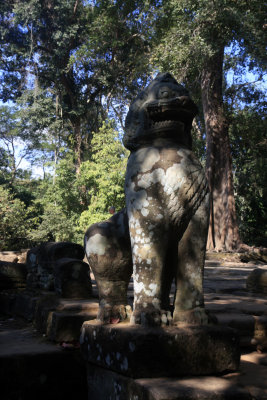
x=163, y=110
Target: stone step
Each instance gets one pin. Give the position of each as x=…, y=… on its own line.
x=108, y=385
x=66, y=326
x=61, y=320
x=34, y=369
x=50, y=314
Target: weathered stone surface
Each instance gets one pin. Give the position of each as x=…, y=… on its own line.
x=66, y=327
x=61, y=320
x=45, y=307
x=167, y=205
x=12, y=275
x=260, y=332
x=108, y=385
x=52, y=251
x=18, y=304
x=257, y=281
x=153, y=352
x=43, y=261
x=72, y=278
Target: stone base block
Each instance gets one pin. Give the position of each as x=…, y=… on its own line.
x=257, y=281
x=109, y=385
x=66, y=327
x=21, y=304
x=61, y=319
x=12, y=275
x=141, y=352
x=72, y=279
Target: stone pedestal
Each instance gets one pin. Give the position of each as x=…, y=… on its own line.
x=140, y=352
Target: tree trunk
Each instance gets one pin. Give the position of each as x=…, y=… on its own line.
x=77, y=144
x=223, y=229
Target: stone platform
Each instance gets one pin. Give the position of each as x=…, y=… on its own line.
x=140, y=352
x=108, y=385
x=226, y=297
x=33, y=368
x=57, y=318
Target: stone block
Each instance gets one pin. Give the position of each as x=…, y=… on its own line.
x=25, y=305
x=66, y=327
x=72, y=278
x=20, y=304
x=41, y=262
x=53, y=251
x=257, y=281
x=7, y=303
x=12, y=275
x=61, y=320
x=141, y=352
x=46, y=304
x=260, y=333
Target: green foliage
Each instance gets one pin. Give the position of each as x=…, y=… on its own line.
x=56, y=206
x=189, y=32
x=8, y=136
x=84, y=54
x=13, y=221
x=103, y=176
x=249, y=146
x=70, y=64
x=66, y=205
x=55, y=226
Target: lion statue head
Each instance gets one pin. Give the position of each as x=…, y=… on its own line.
x=163, y=110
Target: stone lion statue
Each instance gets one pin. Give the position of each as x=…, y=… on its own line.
x=161, y=236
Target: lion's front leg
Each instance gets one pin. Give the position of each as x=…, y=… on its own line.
x=149, y=245
x=189, y=302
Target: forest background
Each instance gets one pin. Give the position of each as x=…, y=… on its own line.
x=68, y=72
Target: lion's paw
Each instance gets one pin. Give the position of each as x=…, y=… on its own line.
x=196, y=316
x=113, y=314
x=147, y=316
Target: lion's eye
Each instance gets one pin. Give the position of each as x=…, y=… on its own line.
x=165, y=93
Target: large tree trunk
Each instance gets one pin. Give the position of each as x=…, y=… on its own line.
x=77, y=144
x=223, y=229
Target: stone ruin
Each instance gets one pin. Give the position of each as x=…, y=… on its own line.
x=160, y=238
x=59, y=267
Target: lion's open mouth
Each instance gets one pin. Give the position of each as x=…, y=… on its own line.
x=170, y=114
